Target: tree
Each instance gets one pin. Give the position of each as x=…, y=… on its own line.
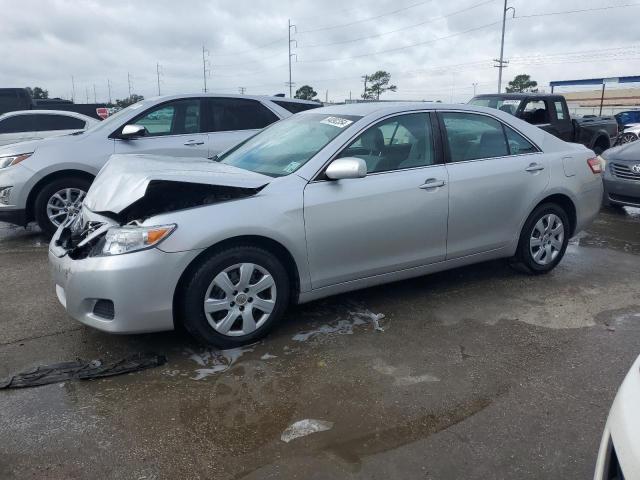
x=125, y=102
x=37, y=93
x=306, y=92
x=376, y=84
x=522, y=83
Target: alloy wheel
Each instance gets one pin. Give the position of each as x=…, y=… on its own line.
x=63, y=204
x=627, y=138
x=240, y=299
x=546, y=239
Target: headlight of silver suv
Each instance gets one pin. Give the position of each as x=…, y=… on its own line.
x=8, y=160
x=131, y=238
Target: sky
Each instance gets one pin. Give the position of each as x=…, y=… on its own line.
x=434, y=50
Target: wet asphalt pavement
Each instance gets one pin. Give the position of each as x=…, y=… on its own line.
x=480, y=372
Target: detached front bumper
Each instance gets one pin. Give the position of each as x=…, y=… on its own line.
x=620, y=448
x=129, y=293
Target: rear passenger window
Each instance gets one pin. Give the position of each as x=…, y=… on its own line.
x=518, y=145
x=228, y=114
x=45, y=122
x=472, y=136
x=559, y=110
x=17, y=124
x=535, y=112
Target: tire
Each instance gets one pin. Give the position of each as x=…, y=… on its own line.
x=527, y=256
x=73, y=187
x=627, y=138
x=232, y=308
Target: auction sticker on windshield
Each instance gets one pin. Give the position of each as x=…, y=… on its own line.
x=337, y=122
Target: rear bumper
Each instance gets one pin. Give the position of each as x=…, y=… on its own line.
x=140, y=285
x=588, y=206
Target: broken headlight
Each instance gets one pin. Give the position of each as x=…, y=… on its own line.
x=131, y=238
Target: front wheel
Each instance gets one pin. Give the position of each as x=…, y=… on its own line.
x=543, y=240
x=59, y=200
x=235, y=297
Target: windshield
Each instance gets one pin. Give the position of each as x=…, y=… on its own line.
x=287, y=145
x=509, y=105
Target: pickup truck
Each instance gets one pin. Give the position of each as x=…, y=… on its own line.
x=550, y=112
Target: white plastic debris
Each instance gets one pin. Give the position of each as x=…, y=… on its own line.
x=344, y=326
x=215, y=361
x=305, y=427
x=268, y=356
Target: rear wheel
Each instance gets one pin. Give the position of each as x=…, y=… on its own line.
x=235, y=297
x=58, y=200
x=543, y=240
x=627, y=138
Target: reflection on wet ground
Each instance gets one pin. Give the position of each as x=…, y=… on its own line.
x=479, y=372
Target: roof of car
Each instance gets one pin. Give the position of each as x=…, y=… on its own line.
x=228, y=95
x=516, y=95
x=367, y=108
x=50, y=112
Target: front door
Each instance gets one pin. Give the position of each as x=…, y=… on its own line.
x=173, y=128
x=394, y=218
x=495, y=175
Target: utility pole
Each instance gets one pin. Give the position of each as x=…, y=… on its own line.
x=242, y=90
x=364, y=79
x=501, y=63
x=129, y=82
x=326, y=96
x=86, y=90
x=474, y=88
x=204, y=67
x=73, y=90
x=158, y=75
x=109, y=89
x=291, y=55
x=95, y=98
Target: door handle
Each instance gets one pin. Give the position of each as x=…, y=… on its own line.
x=432, y=183
x=191, y=143
x=534, y=167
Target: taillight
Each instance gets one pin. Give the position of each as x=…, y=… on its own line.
x=595, y=165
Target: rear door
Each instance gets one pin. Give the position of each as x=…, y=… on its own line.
x=393, y=219
x=17, y=128
x=495, y=175
x=231, y=120
x=173, y=128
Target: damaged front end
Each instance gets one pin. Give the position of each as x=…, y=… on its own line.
x=130, y=189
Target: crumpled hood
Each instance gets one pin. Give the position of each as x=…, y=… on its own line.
x=124, y=178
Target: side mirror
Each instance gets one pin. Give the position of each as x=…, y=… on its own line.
x=130, y=131
x=348, y=167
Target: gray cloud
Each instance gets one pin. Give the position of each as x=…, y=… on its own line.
x=45, y=43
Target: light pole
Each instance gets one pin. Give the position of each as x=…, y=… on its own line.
x=474, y=88
x=291, y=55
x=501, y=62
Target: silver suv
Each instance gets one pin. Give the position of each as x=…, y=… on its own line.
x=46, y=180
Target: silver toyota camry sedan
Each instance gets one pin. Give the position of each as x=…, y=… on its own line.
x=326, y=201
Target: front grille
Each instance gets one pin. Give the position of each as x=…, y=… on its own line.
x=104, y=308
x=621, y=170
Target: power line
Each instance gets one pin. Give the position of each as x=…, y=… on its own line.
x=567, y=12
x=419, y=24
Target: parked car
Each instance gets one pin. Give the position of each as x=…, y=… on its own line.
x=619, y=454
x=324, y=202
x=550, y=112
x=26, y=125
x=14, y=99
x=46, y=180
x=622, y=175
x=629, y=126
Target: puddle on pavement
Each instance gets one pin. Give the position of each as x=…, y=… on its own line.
x=613, y=229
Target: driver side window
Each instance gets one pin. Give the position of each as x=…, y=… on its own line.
x=404, y=141
x=173, y=118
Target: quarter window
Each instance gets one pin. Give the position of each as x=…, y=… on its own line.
x=228, y=114
x=404, y=141
x=471, y=136
x=173, y=118
x=518, y=145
